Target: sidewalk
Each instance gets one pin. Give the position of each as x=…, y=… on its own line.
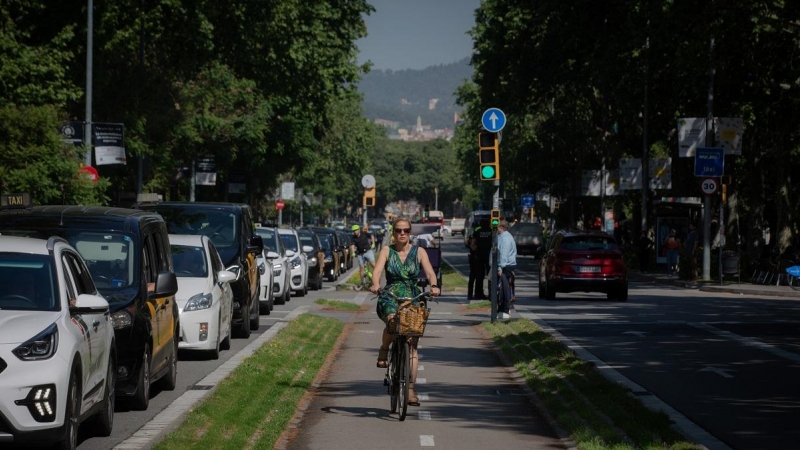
x=729, y=286
x=469, y=398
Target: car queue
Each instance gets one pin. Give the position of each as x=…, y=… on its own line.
x=98, y=301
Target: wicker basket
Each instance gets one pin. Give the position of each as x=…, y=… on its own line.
x=410, y=321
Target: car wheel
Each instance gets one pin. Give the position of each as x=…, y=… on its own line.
x=255, y=320
x=104, y=422
x=69, y=440
x=549, y=291
x=141, y=400
x=244, y=328
x=541, y=290
x=214, y=352
x=170, y=380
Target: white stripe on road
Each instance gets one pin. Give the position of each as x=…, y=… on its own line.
x=421, y=367
x=749, y=342
x=424, y=415
x=423, y=397
x=426, y=440
x=421, y=381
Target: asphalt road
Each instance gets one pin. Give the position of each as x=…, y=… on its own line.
x=729, y=363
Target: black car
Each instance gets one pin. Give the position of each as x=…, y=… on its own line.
x=316, y=257
x=128, y=255
x=331, y=256
x=339, y=246
x=230, y=228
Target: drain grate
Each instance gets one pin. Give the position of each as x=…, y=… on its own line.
x=200, y=387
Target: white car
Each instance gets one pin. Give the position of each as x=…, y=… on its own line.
x=57, y=349
x=276, y=254
x=266, y=272
x=205, y=297
x=297, y=260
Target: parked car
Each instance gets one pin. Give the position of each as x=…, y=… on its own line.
x=205, y=297
x=298, y=261
x=583, y=262
x=331, y=258
x=127, y=253
x=528, y=237
x=345, y=237
x=230, y=228
x=339, y=246
x=315, y=257
x=276, y=254
x=266, y=272
x=57, y=348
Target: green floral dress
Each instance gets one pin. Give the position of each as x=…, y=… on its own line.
x=401, y=280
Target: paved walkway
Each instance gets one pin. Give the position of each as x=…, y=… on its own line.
x=731, y=286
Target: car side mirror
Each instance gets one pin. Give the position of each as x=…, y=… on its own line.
x=225, y=276
x=272, y=255
x=307, y=249
x=166, y=285
x=89, y=304
x=290, y=253
x=256, y=245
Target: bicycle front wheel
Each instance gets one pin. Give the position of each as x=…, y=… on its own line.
x=405, y=378
x=394, y=377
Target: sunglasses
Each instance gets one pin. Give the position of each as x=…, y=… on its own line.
x=402, y=230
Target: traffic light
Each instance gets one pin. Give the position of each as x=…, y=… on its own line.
x=495, y=218
x=369, y=198
x=427, y=212
x=489, y=155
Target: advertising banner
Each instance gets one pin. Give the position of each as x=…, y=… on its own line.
x=205, y=171
x=630, y=174
x=592, y=183
x=287, y=191
x=109, y=143
x=660, y=173
x=691, y=134
x=728, y=134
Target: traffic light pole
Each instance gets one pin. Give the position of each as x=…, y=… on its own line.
x=493, y=276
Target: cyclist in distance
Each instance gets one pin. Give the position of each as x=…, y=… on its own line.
x=361, y=246
x=402, y=263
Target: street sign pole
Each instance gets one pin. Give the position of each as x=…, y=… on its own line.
x=493, y=276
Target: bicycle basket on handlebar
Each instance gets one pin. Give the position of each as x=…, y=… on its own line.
x=410, y=320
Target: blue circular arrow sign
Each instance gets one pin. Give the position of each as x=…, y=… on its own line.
x=493, y=120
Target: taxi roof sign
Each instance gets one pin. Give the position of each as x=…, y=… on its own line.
x=19, y=200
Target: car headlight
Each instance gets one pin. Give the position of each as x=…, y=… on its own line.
x=236, y=270
x=312, y=262
x=295, y=263
x=41, y=346
x=198, y=302
x=121, y=319
x=276, y=269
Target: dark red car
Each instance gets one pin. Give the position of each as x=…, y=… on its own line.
x=581, y=261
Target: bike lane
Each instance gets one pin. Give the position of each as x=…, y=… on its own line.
x=469, y=398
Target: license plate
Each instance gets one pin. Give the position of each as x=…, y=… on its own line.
x=588, y=269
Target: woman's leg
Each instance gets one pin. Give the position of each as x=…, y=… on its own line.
x=413, y=400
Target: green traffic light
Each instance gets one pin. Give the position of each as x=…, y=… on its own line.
x=488, y=171
x=495, y=222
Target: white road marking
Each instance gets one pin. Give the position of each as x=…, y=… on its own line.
x=718, y=371
x=426, y=440
x=424, y=415
x=421, y=367
x=750, y=342
x=423, y=397
x=640, y=334
x=421, y=381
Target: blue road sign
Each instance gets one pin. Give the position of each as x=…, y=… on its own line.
x=493, y=120
x=527, y=201
x=709, y=162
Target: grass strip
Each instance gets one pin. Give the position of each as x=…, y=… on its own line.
x=483, y=304
x=338, y=304
x=251, y=408
x=597, y=413
x=450, y=278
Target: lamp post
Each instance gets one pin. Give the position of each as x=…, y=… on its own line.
x=89, y=44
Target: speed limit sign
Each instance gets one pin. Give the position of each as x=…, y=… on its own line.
x=709, y=186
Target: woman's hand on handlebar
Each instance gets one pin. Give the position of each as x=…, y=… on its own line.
x=435, y=291
x=374, y=289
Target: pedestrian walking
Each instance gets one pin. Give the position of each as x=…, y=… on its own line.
x=484, y=236
x=673, y=245
x=476, y=271
x=506, y=262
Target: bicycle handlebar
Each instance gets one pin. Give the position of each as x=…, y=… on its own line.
x=425, y=295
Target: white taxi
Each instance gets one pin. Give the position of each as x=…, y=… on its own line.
x=57, y=350
x=205, y=297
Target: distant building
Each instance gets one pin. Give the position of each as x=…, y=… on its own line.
x=432, y=103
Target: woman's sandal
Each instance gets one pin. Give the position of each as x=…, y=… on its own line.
x=413, y=400
x=383, y=358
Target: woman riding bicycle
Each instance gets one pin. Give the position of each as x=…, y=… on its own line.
x=402, y=262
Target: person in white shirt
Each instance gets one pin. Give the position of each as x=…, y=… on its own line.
x=506, y=261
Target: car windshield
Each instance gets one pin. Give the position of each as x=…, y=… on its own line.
x=221, y=226
x=289, y=241
x=325, y=242
x=28, y=283
x=588, y=243
x=306, y=239
x=268, y=237
x=189, y=261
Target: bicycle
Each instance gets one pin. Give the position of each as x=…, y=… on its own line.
x=366, y=276
x=793, y=277
x=409, y=323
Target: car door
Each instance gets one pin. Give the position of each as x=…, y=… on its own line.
x=224, y=291
x=249, y=259
x=156, y=306
x=95, y=327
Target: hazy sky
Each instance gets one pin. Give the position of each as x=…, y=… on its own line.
x=415, y=34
